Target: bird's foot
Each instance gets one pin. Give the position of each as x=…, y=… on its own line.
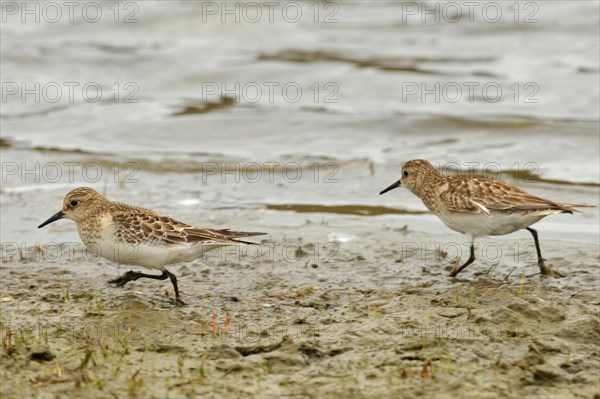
x=119, y=281
x=455, y=265
x=548, y=271
x=179, y=302
x=124, y=279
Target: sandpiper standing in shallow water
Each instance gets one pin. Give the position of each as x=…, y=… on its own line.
x=136, y=236
x=477, y=205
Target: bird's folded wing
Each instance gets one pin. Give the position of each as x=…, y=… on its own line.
x=150, y=228
x=484, y=195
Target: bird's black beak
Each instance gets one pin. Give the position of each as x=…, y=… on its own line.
x=391, y=187
x=54, y=218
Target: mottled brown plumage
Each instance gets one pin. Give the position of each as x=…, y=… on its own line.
x=138, y=226
x=131, y=235
x=477, y=205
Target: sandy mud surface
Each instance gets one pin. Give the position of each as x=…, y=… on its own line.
x=314, y=320
x=347, y=296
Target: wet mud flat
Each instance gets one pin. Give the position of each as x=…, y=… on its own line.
x=344, y=311
x=356, y=321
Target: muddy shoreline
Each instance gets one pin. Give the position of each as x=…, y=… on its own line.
x=369, y=321
x=347, y=296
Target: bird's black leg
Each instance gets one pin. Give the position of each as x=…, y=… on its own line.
x=543, y=268
x=471, y=259
x=133, y=275
x=173, y=278
x=538, y=250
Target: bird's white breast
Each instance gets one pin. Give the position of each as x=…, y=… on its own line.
x=480, y=224
x=148, y=255
x=104, y=243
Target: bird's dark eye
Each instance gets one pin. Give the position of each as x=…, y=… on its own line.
x=405, y=173
x=74, y=203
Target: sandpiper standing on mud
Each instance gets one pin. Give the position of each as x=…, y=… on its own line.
x=478, y=205
x=136, y=236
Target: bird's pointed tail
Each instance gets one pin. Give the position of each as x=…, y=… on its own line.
x=234, y=235
x=571, y=207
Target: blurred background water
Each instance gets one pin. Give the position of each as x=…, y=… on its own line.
x=152, y=101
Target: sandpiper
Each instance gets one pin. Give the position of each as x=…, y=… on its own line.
x=477, y=205
x=136, y=236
